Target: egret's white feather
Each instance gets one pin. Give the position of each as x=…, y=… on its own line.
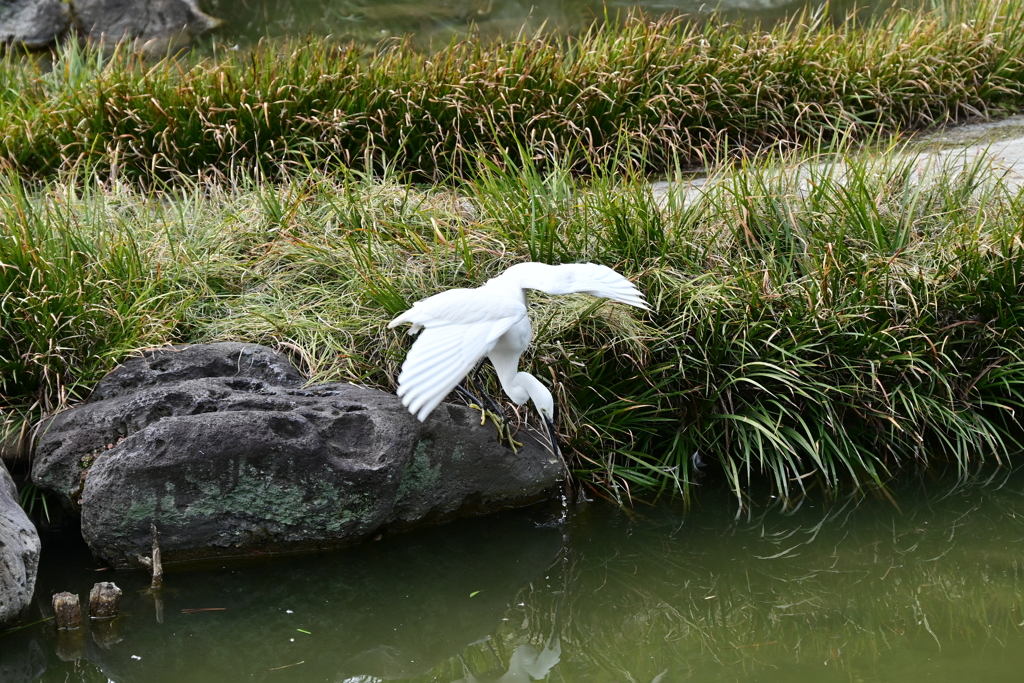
x=458, y=327
x=574, y=278
x=461, y=307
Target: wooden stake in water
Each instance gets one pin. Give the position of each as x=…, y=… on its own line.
x=67, y=611
x=158, y=567
x=154, y=563
x=103, y=600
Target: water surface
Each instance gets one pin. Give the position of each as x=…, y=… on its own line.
x=932, y=590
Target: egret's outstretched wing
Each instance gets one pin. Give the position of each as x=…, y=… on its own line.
x=459, y=327
x=573, y=278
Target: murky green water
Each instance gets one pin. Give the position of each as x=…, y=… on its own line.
x=932, y=591
x=436, y=22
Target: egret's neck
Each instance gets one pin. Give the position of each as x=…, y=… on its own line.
x=507, y=286
x=542, y=399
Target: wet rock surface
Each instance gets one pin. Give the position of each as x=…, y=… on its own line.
x=34, y=24
x=251, y=463
x=19, y=554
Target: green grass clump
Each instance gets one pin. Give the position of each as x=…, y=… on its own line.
x=836, y=323
x=678, y=90
x=77, y=293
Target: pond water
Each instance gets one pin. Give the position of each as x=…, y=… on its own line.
x=931, y=590
x=436, y=22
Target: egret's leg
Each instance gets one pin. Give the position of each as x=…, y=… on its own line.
x=477, y=384
x=479, y=368
x=496, y=413
x=474, y=402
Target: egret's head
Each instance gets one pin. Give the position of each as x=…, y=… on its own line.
x=545, y=406
x=526, y=386
x=542, y=401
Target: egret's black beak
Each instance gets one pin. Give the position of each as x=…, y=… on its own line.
x=552, y=435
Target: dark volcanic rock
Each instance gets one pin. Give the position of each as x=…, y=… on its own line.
x=168, y=365
x=229, y=466
x=163, y=23
x=149, y=387
x=33, y=23
x=19, y=554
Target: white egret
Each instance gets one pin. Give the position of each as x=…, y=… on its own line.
x=460, y=326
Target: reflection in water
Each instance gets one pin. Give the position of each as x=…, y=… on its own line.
x=856, y=590
x=21, y=659
x=525, y=664
x=390, y=610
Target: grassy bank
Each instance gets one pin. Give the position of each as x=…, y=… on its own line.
x=835, y=325
x=677, y=91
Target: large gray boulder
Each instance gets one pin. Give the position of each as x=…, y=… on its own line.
x=154, y=26
x=173, y=364
x=251, y=463
x=19, y=554
x=148, y=387
x=34, y=24
x=160, y=23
